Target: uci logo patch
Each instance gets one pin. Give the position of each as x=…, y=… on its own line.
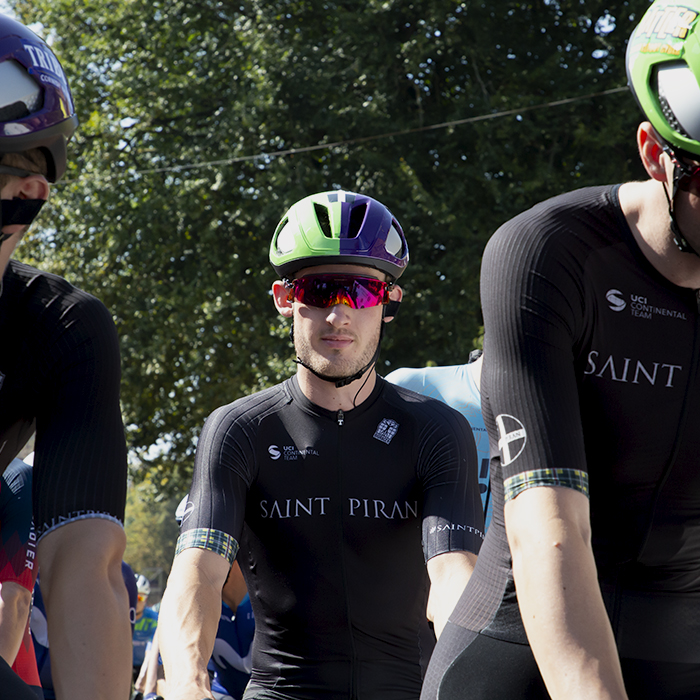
x=615, y=300
x=274, y=451
x=512, y=437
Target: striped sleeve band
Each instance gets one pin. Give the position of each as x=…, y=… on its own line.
x=571, y=478
x=211, y=540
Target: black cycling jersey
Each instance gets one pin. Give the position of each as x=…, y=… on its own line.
x=60, y=374
x=591, y=382
x=330, y=509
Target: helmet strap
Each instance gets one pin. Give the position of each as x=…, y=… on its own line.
x=342, y=381
x=678, y=238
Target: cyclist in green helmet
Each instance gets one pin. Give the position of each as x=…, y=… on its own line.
x=663, y=67
x=588, y=582
x=332, y=489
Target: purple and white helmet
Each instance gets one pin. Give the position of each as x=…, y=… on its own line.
x=36, y=107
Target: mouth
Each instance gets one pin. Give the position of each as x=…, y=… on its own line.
x=337, y=342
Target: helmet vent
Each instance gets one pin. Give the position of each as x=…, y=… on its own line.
x=21, y=95
x=394, y=242
x=323, y=220
x=357, y=217
x=669, y=115
x=679, y=99
x=284, y=240
x=13, y=112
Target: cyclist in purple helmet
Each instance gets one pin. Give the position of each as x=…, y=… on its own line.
x=332, y=490
x=59, y=379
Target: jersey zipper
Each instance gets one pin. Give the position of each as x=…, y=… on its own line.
x=354, y=685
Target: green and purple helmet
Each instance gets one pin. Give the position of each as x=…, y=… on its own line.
x=663, y=68
x=338, y=228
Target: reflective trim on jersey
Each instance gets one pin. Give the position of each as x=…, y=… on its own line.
x=571, y=478
x=211, y=540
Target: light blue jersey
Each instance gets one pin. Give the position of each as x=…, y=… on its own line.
x=457, y=386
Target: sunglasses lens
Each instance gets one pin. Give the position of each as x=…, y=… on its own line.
x=368, y=292
x=323, y=291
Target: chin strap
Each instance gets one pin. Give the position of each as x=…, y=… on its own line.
x=344, y=381
x=678, y=174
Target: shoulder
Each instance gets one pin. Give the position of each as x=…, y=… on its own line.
x=248, y=411
x=37, y=297
x=588, y=217
x=18, y=475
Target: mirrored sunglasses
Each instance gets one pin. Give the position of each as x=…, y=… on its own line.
x=324, y=291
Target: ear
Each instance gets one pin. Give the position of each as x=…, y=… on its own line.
x=396, y=294
x=651, y=152
x=30, y=187
x=284, y=305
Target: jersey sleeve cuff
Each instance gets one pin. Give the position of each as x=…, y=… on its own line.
x=211, y=540
x=571, y=478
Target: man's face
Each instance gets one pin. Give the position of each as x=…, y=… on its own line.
x=141, y=601
x=687, y=201
x=15, y=232
x=32, y=187
x=337, y=341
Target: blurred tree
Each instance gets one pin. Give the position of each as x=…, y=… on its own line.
x=151, y=530
x=182, y=167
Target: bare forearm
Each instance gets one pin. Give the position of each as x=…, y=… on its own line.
x=188, y=622
x=80, y=608
x=567, y=626
x=150, y=683
x=562, y=609
x=14, y=613
x=449, y=574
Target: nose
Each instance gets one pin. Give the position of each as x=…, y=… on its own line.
x=339, y=314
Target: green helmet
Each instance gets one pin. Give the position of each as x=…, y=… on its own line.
x=338, y=227
x=663, y=68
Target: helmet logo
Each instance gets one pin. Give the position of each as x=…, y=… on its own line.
x=665, y=23
x=44, y=59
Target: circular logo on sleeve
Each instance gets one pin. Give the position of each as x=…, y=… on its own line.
x=512, y=437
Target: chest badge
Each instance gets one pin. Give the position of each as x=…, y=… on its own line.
x=386, y=430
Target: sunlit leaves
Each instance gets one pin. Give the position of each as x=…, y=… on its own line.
x=175, y=188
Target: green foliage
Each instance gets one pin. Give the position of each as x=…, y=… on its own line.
x=181, y=167
x=151, y=530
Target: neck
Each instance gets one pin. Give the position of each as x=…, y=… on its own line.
x=646, y=211
x=327, y=395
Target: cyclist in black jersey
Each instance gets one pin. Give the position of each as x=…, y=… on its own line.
x=59, y=377
x=588, y=583
x=332, y=489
